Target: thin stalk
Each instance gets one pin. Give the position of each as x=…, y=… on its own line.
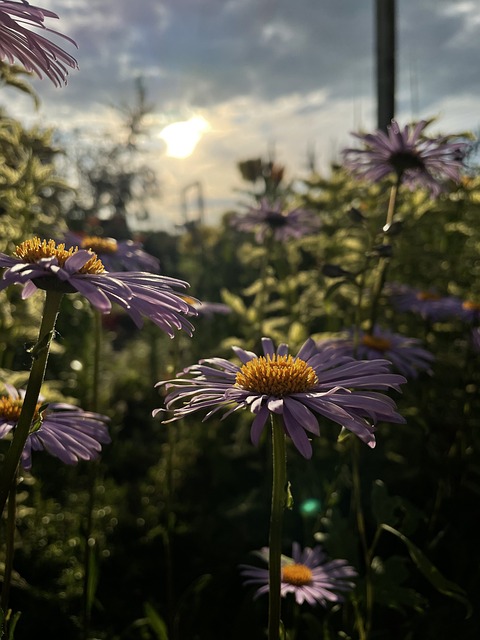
x=39, y=354
x=9, y=543
x=279, y=483
x=385, y=262
x=357, y=504
x=90, y=542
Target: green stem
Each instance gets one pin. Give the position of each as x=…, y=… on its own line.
x=37, y=373
x=90, y=542
x=385, y=262
x=279, y=483
x=357, y=502
x=10, y=543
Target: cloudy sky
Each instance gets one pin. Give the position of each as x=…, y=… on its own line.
x=257, y=75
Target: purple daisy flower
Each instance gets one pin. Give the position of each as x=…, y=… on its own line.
x=45, y=265
x=269, y=219
x=35, y=52
x=116, y=255
x=406, y=354
x=426, y=303
x=208, y=309
x=61, y=429
x=466, y=310
x=308, y=574
x=313, y=382
x=417, y=161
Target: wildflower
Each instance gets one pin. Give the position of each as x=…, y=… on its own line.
x=416, y=160
x=116, y=255
x=429, y=304
x=35, y=52
x=65, y=431
x=308, y=574
x=406, y=354
x=467, y=310
x=334, y=386
x=208, y=309
x=45, y=265
x=269, y=219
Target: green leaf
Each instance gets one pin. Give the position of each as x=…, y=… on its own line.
x=156, y=622
x=433, y=575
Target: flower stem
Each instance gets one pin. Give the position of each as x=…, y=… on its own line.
x=39, y=355
x=279, y=482
x=90, y=541
x=382, y=276
x=10, y=543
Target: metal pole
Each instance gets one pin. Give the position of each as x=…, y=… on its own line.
x=385, y=51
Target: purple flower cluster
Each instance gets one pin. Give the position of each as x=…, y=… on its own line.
x=309, y=575
x=315, y=381
x=416, y=160
x=61, y=429
x=35, y=52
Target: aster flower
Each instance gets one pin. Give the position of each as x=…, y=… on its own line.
x=35, y=52
x=295, y=388
x=406, y=354
x=416, y=160
x=426, y=303
x=208, y=309
x=308, y=574
x=269, y=219
x=116, y=255
x=61, y=429
x=45, y=265
x=466, y=310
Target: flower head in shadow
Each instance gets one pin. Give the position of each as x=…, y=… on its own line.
x=61, y=429
x=425, y=302
x=407, y=355
x=45, y=265
x=35, y=52
x=271, y=220
x=308, y=574
x=296, y=388
x=416, y=160
x=116, y=255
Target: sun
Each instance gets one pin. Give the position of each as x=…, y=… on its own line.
x=181, y=138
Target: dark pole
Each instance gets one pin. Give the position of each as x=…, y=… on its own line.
x=385, y=50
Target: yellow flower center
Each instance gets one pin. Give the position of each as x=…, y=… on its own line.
x=99, y=245
x=10, y=409
x=427, y=295
x=468, y=305
x=35, y=249
x=276, y=375
x=373, y=342
x=297, y=574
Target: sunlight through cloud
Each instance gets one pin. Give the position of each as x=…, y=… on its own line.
x=181, y=138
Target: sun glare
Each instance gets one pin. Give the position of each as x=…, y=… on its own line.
x=181, y=138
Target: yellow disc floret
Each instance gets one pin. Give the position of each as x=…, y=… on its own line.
x=373, y=342
x=297, y=574
x=469, y=305
x=276, y=375
x=10, y=409
x=34, y=250
x=99, y=245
